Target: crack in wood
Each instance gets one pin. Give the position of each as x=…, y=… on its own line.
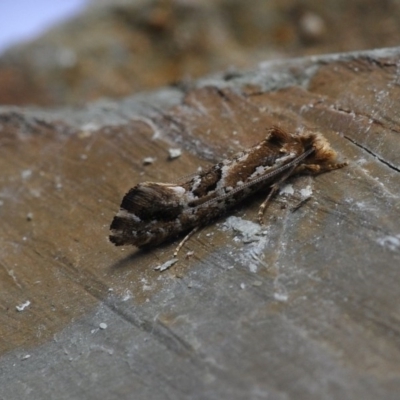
x=388, y=164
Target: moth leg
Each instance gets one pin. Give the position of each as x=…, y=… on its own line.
x=185, y=239
x=263, y=205
x=316, y=168
x=274, y=188
x=311, y=168
x=331, y=167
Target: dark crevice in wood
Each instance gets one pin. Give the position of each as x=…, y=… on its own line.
x=391, y=166
x=370, y=118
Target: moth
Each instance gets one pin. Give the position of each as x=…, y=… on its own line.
x=152, y=212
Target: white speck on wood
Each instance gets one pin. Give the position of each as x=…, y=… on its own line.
x=174, y=153
x=252, y=234
x=148, y=160
x=22, y=306
x=26, y=173
x=287, y=189
x=390, y=242
x=166, y=265
x=306, y=192
x=281, y=296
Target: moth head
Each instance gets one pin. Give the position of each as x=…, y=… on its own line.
x=323, y=152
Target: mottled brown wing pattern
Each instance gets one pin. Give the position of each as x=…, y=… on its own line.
x=151, y=212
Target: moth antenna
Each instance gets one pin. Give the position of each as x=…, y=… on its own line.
x=274, y=188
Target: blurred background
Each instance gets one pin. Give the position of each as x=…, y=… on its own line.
x=24, y=20
x=74, y=51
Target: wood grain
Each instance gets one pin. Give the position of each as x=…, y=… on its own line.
x=306, y=308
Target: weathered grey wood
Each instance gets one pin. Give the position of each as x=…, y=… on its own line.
x=305, y=308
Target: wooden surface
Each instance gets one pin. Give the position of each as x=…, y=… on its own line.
x=305, y=308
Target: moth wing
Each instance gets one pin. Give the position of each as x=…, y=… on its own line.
x=145, y=204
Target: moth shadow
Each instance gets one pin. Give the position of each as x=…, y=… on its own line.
x=139, y=257
x=134, y=258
